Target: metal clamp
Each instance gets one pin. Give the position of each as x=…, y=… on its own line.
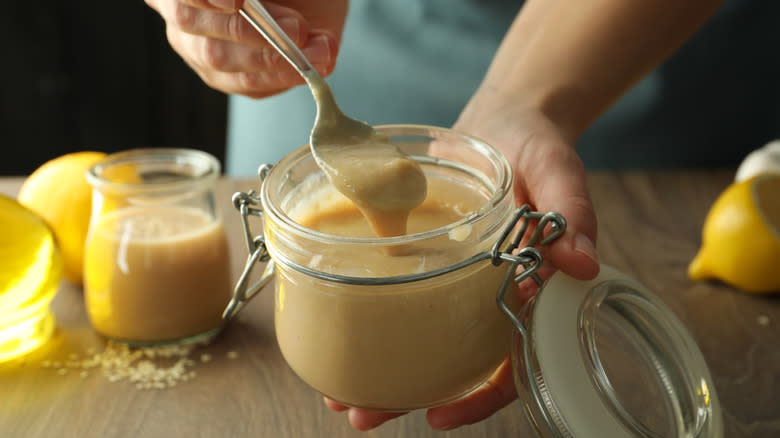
x=246, y=204
x=529, y=257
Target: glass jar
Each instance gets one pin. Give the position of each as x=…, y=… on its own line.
x=344, y=322
x=157, y=266
x=607, y=358
x=436, y=330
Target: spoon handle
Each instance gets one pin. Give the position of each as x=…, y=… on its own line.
x=254, y=12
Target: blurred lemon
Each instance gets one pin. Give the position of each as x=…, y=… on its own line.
x=741, y=237
x=58, y=191
x=762, y=160
x=29, y=276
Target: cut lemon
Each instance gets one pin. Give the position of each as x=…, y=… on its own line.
x=29, y=276
x=741, y=237
x=763, y=160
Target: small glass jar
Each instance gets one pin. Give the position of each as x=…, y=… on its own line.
x=157, y=264
x=436, y=331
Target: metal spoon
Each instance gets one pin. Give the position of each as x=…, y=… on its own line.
x=331, y=125
x=361, y=164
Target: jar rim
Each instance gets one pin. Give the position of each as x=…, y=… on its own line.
x=207, y=169
x=501, y=187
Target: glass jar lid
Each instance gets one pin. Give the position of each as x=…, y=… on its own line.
x=606, y=358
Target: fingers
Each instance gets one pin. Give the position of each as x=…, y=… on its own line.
x=251, y=71
x=555, y=181
x=493, y=395
x=228, y=25
x=225, y=5
x=230, y=55
x=262, y=81
x=361, y=419
x=208, y=18
x=226, y=56
x=334, y=405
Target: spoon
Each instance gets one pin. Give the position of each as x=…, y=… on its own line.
x=365, y=166
x=331, y=123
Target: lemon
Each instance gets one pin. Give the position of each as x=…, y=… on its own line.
x=29, y=275
x=762, y=160
x=58, y=191
x=741, y=237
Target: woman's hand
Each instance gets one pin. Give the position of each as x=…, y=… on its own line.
x=549, y=176
x=493, y=395
x=231, y=56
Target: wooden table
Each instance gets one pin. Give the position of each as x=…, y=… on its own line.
x=650, y=225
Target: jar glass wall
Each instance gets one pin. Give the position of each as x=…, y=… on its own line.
x=607, y=358
x=157, y=266
x=349, y=320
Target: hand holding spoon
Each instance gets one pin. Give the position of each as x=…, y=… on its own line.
x=379, y=178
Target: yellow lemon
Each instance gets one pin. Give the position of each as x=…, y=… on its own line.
x=763, y=160
x=741, y=237
x=30, y=271
x=58, y=191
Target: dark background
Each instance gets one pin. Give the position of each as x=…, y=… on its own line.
x=92, y=75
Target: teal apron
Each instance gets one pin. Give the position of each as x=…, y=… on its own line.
x=419, y=61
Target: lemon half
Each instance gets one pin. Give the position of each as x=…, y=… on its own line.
x=741, y=237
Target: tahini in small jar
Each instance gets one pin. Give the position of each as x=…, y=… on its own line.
x=157, y=265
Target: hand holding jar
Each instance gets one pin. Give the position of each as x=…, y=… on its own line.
x=549, y=176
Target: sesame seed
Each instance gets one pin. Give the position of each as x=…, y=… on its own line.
x=155, y=367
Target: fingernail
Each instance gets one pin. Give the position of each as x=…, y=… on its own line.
x=584, y=245
x=291, y=27
x=224, y=4
x=318, y=50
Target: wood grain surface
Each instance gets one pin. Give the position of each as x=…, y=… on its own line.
x=650, y=225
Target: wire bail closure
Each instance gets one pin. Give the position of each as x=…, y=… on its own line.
x=246, y=204
x=249, y=204
x=529, y=256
